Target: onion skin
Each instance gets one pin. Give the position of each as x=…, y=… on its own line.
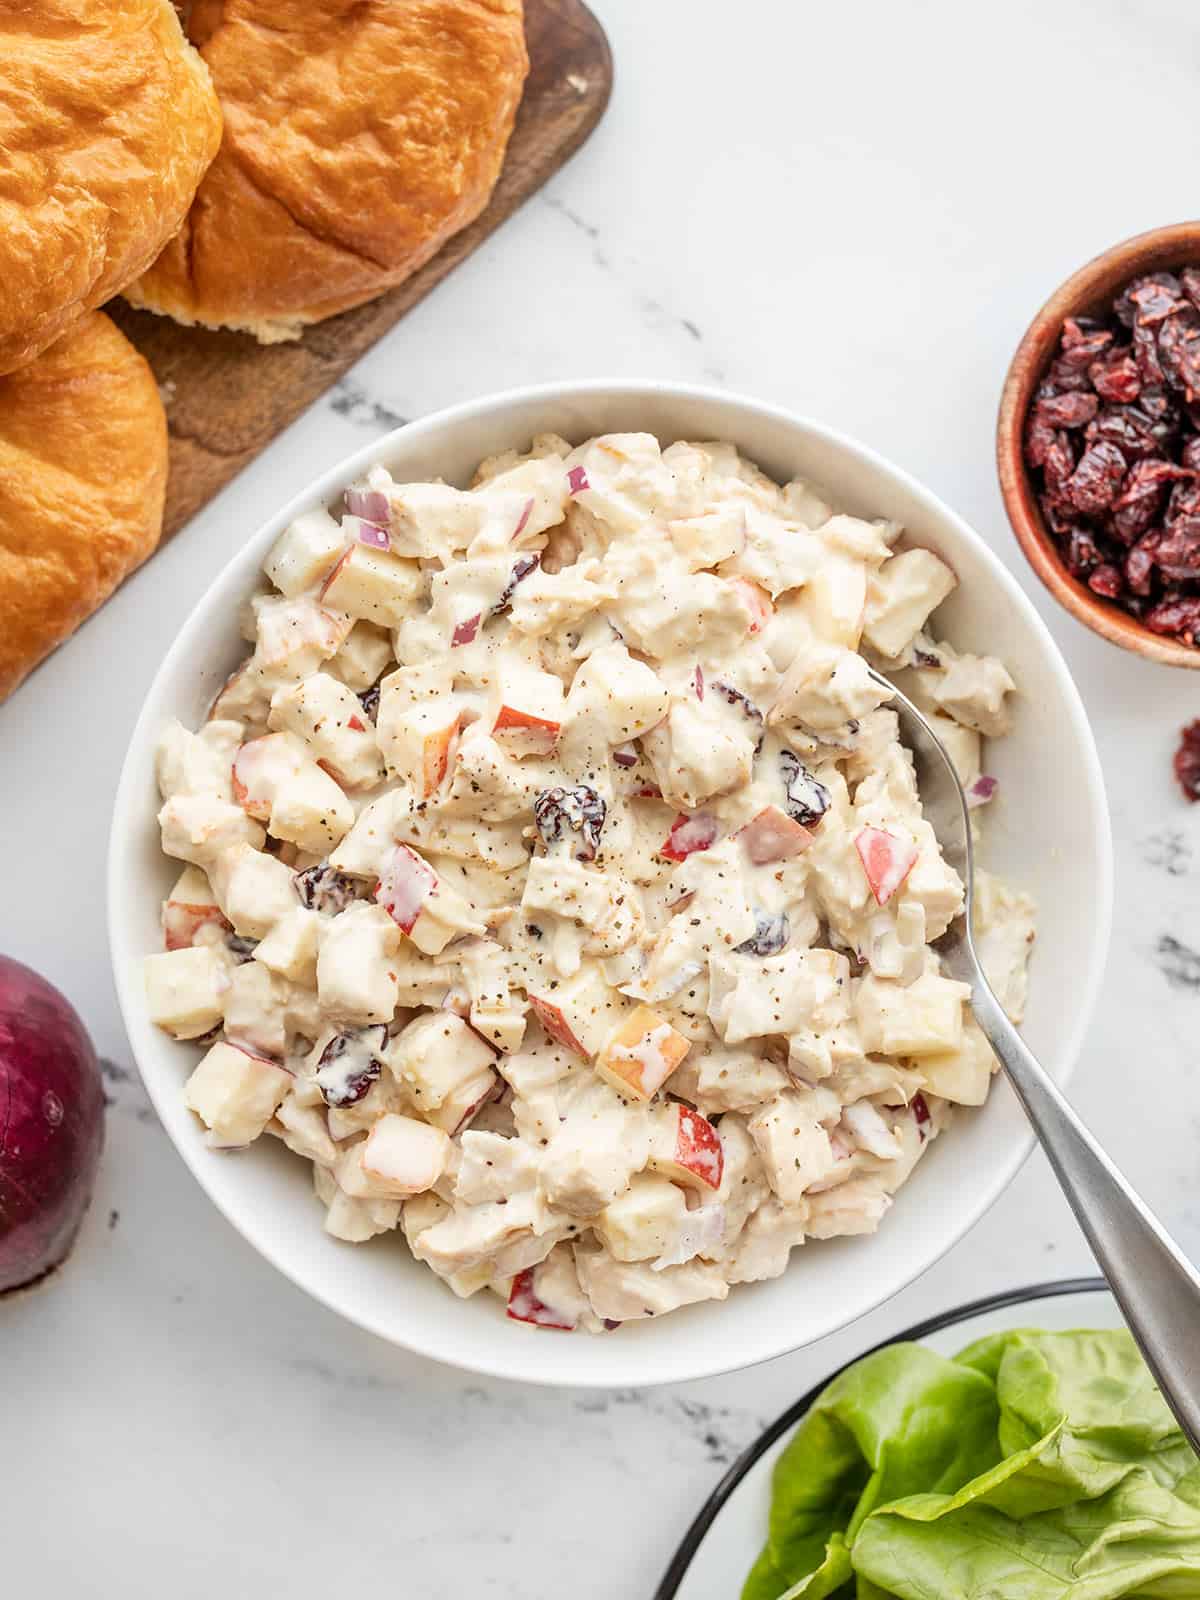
x=51, y=1125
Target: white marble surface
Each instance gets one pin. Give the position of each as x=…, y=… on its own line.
x=852, y=210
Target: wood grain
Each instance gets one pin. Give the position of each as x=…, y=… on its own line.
x=228, y=396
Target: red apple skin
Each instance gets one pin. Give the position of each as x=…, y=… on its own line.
x=540, y=731
x=886, y=861
x=183, y=921
x=772, y=835
x=551, y=1018
x=51, y=1125
x=698, y=1148
x=524, y=1305
x=688, y=836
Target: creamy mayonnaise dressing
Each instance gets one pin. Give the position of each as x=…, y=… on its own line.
x=556, y=882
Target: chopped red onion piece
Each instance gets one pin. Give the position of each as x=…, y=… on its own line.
x=370, y=533
x=981, y=791
x=698, y=681
x=577, y=480
x=524, y=518
x=625, y=755
x=465, y=631
x=369, y=503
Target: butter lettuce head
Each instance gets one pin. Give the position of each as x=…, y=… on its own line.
x=1034, y=1466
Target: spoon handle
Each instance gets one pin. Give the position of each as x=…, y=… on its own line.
x=1156, y=1286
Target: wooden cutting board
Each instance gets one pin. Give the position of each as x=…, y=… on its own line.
x=227, y=396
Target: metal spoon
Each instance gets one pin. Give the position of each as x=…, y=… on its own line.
x=1156, y=1286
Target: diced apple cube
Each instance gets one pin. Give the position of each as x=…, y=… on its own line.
x=437, y=1055
x=399, y=1157
x=685, y=1148
x=260, y=766
x=362, y=658
x=757, y=601
x=185, y=990
x=887, y=860
x=900, y=598
x=688, y=834
x=290, y=948
x=627, y=695
x=772, y=835
x=524, y=1305
x=235, y=1094
x=304, y=553
x=311, y=811
x=641, y=1053
x=525, y=709
x=416, y=740
x=366, y=847
x=918, y=1019
x=190, y=913
x=963, y=1075
x=459, y=1108
x=374, y=585
x=295, y=636
x=196, y=763
x=356, y=981
x=420, y=903
x=578, y=1013
x=253, y=889
x=644, y=1221
x=256, y=1010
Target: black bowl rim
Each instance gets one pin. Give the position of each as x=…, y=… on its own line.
x=712, y=1507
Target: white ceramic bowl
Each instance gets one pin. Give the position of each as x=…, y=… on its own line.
x=1048, y=830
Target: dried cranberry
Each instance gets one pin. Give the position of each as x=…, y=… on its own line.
x=1149, y=299
x=1116, y=377
x=1096, y=481
x=1082, y=553
x=1189, y=282
x=324, y=888
x=1059, y=463
x=1137, y=506
x=1191, y=453
x=1107, y=580
x=1083, y=341
x=920, y=1110
x=242, y=948
x=1070, y=410
x=580, y=810
x=369, y=700
x=772, y=930
x=807, y=801
x=1039, y=439
x=1178, y=615
x=1129, y=428
x=1185, y=499
x=1139, y=564
x=521, y=569
x=1187, y=758
x=350, y=1064
x=1178, y=554
x=1179, y=350
x=1062, y=520
x=1145, y=355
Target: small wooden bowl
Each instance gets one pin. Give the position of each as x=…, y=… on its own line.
x=1088, y=292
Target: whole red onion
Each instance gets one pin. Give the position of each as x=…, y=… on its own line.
x=51, y=1125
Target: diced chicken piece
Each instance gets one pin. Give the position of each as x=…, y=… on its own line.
x=445, y=1064
x=744, y=1184
x=901, y=596
x=640, y=1054
x=355, y=1221
x=766, y=1242
x=963, y=1075
x=356, y=978
x=472, y=1236
x=196, y=763
x=399, y=1157
x=920, y=1019
x=235, y=1094
x=199, y=828
x=700, y=751
x=751, y=997
x=190, y=913
x=644, y=1221
x=304, y=553
x=332, y=723
x=293, y=638
x=495, y=1011
x=868, y=1131
x=525, y=708
x=290, y=948
x=492, y=1168
x=824, y=688
x=185, y=990
x=579, y=1012
x=253, y=889
x=717, y=1079
x=685, y=1148
x=709, y=538
x=793, y=1142
x=417, y=740
x=625, y=1291
x=364, y=849
x=1004, y=935
x=256, y=1010
x=626, y=696
x=857, y=1206
x=963, y=745
x=421, y=903
x=373, y=585
x=305, y=1130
